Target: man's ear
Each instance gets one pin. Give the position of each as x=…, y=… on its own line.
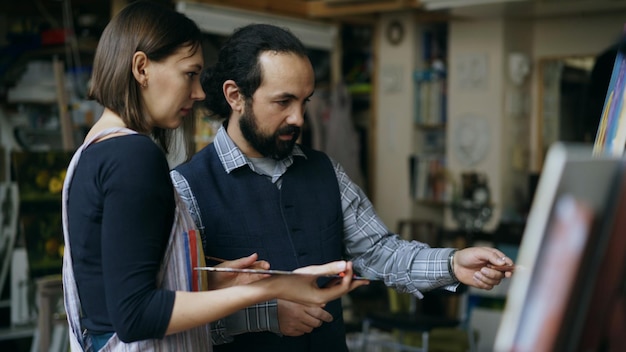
x=139, y=68
x=233, y=96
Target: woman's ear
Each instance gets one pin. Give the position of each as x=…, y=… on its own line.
x=140, y=63
x=233, y=96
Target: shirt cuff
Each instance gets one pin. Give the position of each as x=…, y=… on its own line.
x=455, y=282
x=256, y=318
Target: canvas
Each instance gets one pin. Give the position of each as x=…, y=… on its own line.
x=554, y=277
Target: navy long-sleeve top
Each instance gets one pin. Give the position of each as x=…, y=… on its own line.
x=121, y=210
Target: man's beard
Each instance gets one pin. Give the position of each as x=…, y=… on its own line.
x=269, y=146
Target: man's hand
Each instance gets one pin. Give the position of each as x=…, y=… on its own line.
x=296, y=319
x=482, y=267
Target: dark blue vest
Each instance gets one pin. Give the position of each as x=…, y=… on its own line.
x=298, y=225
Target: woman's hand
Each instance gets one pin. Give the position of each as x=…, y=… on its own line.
x=219, y=280
x=303, y=289
x=195, y=308
x=482, y=267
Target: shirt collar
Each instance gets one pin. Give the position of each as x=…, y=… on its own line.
x=233, y=158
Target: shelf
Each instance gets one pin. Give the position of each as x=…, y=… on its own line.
x=428, y=179
x=32, y=100
x=430, y=184
x=40, y=198
x=17, y=332
x=430, y=126
x=432, y=202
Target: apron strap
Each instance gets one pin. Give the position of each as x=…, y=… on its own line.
x=71, y=299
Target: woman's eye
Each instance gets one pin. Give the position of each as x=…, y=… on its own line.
x=192, y=74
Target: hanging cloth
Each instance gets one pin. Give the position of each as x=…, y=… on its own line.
x=342, y=139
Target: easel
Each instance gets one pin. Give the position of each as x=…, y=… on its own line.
x=67, y=128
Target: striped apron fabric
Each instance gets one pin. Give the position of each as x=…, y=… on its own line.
x=183, y=253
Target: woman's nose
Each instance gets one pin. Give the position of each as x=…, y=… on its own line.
x=197, y=93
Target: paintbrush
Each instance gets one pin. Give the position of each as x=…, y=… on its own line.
x=269, y=272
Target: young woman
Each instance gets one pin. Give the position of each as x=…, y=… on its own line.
x=131, y=247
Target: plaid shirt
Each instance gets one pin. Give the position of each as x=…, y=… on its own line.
x=408, y=266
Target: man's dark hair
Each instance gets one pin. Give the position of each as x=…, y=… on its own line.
x=238, y=59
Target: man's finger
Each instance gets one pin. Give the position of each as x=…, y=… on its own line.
x=319, y=314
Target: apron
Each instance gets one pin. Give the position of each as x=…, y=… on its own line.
x=183, y=253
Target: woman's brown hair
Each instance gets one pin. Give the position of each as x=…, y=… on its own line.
x=152, y=28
